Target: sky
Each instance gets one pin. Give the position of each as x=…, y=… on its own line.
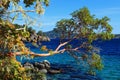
x=59, y=9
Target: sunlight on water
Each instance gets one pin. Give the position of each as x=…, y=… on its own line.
x=111, y=70
x=110, y=51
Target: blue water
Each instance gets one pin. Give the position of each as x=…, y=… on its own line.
x=110, y=52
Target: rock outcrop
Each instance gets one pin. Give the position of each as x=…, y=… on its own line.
x=37, y=38
x=43, y=67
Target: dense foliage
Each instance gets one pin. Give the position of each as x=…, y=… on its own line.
x=10, y=38
x=11, y=69
x=82, y=25
x=86, y=28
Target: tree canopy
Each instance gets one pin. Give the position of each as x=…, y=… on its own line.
x=11, y=34
x=82, y=26
x=86, y=28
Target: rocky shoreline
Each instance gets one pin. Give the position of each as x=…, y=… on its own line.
x=35, y=38
x=57, y=71
x=43, y=67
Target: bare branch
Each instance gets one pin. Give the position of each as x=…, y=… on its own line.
x=21, y=11
x=57, y=50
x=41, y=55
x=63, y=44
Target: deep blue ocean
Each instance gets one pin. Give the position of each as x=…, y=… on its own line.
x=109, y=50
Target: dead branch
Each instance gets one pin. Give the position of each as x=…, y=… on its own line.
x=20, y=11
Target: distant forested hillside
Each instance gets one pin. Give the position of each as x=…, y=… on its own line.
x=117, y=36
x=52, y=34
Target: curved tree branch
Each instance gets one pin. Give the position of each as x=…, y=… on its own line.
x=62, y=44
x=41, y=55
x=57, y=51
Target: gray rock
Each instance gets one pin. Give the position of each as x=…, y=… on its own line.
x=54, y=71
x=43, y=71
x=39, y=38
x=28, y=65
x=46, y=61
x=47, y=64
x=36, y=69
x=39, y=65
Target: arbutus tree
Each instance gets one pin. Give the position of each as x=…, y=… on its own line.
x=82, y=26
x=86, y=28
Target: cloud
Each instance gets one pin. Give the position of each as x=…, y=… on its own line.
x=47, y=23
